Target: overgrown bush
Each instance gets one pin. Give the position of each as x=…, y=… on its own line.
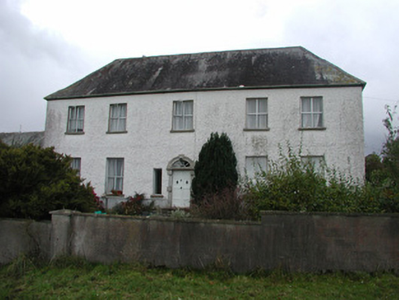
x=226, y=204
x=35, y=181
x=292, y=185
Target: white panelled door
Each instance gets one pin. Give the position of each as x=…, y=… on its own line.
x=181, y=192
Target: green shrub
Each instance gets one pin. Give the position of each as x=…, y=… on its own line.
x=291, y=185
x=35, y=181
x=216, y=168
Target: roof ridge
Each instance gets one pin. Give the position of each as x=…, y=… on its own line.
x=215, y=52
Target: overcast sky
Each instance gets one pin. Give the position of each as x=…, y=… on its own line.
x=46, y=45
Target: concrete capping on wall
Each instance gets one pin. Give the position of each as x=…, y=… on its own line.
x=67, y=212
x=293, y=241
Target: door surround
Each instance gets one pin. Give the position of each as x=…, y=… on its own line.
x=179, y=163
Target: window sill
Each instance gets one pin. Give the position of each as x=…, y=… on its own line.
x=112, y=196
x=311, y=128
x=74, y=133
x=257, y=129
x=157, y=196
x=179, y=131
x=116, y=132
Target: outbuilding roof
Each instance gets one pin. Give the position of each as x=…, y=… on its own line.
x=257, y=68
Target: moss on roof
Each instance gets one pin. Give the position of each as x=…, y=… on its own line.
x=258, y=68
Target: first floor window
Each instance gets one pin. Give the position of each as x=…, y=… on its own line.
x=114, y=179
x=157, y=182
x=75, y=164
x=256, y=113
x=254, y=165
x=117, y=117
x=75, y=119
x=182, y=115
x=317, y=162
x=312, y=112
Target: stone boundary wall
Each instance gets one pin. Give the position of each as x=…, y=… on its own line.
x=304, y=242
x=19, y=236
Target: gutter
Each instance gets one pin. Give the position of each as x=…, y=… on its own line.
x=362, y=85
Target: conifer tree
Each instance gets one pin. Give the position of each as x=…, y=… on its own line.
x=216, y=168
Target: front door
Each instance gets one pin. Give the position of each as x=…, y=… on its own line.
x=181, y=192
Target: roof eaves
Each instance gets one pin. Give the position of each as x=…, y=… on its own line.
x=293, y=86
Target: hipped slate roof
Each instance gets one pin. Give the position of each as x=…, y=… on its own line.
x=258, y=68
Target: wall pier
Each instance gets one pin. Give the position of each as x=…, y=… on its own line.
x=61, y=231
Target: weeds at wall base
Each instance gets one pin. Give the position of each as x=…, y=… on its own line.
x=66, y=261
x=219, y=269
x=23, y=263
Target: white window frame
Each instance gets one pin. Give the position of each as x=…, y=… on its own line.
x=76, y=164
x=114, y=175
x=76, y=116
x=312, y=118
x=257, y=114
x=117, y=117
x=253, y=165
x=183, y=120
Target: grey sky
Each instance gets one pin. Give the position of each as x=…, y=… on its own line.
x=47, y=45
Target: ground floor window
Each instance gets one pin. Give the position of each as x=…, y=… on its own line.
x=75, y=164
x=157, y=189
x=114, y=180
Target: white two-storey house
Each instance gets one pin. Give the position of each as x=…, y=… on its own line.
x=138, y=124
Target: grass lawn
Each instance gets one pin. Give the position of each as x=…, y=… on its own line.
x=76, y=279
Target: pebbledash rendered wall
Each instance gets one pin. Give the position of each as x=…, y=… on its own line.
x=149, y=143
x=295, y=242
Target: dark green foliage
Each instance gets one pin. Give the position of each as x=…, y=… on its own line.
x=35, y=181
x=216, y=168
x=3, y=145
x=373, y=165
